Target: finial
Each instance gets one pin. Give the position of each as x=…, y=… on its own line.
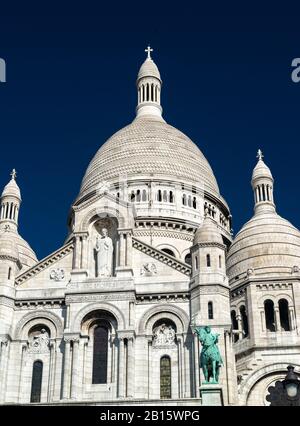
x=148, y=51
x=13, y=174
x=260, y=155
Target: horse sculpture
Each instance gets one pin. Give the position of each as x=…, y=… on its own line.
x=210, y=357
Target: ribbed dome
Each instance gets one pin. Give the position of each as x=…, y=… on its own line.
x=261, y=170
x=208, y=233
x=12, y=189
x=148, y=69
x=8, y=246
x=13, y=245
x=267, y=244
x=149, y=146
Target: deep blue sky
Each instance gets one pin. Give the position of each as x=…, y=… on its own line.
x=71, y=70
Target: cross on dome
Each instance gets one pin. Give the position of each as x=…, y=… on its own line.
x=260, y=155
x=13, y=174
x=148, y=51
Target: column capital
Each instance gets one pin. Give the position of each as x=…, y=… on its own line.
x=125, y=230
x=84, y=234
x=126, y=334
x=68, y=338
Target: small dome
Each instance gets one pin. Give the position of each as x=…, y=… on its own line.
x=267, y=245
x=149, y=69
x=261, y=170
x=8, y=246
x=12, y=189
x=13, y=245
x=208, y=232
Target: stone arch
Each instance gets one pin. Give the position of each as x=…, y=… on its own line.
x=31, y=319
x=285, y=296
x=184, y=253
x=177, y=315
x=266, y=297
x=169, y=247
x=110, y=210
x=258, y=375
x=76, y=324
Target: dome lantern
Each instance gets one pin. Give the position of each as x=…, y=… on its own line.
x=10, y=203
x=262, y=184
x=149, y=88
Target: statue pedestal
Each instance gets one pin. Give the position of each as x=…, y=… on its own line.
x=211, y=395
x=124, y=272
x=78, y=275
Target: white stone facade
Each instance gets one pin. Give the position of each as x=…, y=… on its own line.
x=71, y=333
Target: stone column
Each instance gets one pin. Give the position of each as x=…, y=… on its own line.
x=292, y=318
x=67, y=366
x=196, y=366
x=76, y=255
x=84, y=252
x=149, y=344
x=128, y=249
x=24, y=347
x=130, y=366
x=240, y=326
x=75, y=368
x=3, y=371
x=263, y=321
x=180, y=368
x=230, y=368
x=121, y=367
x=53, y=355
x=277, y=319
x=122, y=249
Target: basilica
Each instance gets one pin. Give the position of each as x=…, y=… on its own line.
x=115, y=315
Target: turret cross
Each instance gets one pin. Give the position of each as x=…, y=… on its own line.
x=148, y=51
x=260, y=155
x=13, y=174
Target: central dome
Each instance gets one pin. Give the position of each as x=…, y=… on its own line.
x=149, y=146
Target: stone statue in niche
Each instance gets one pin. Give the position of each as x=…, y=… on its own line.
x=40, y=343
x=164, y=335
x=104, y=254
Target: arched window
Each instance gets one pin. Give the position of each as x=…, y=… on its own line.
x=147, y=97
x=100, y=354
x=235, y=325
x=144, y=195
x=165, y=377
x=36, y=382
x=284, y=315
x=9, y=273
x=190, y=201
x=196, y=262
x=244, y=321
x=132, y=197
x=168, y=251
x=208, y=260
x=159, y=197
x=270, y=315
x=194, y=203
x=220, y=261
x=138, y=195
x=184, y=199
x=171, y=197
x=188, y=259
x=165, y=196
x=210, y=308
